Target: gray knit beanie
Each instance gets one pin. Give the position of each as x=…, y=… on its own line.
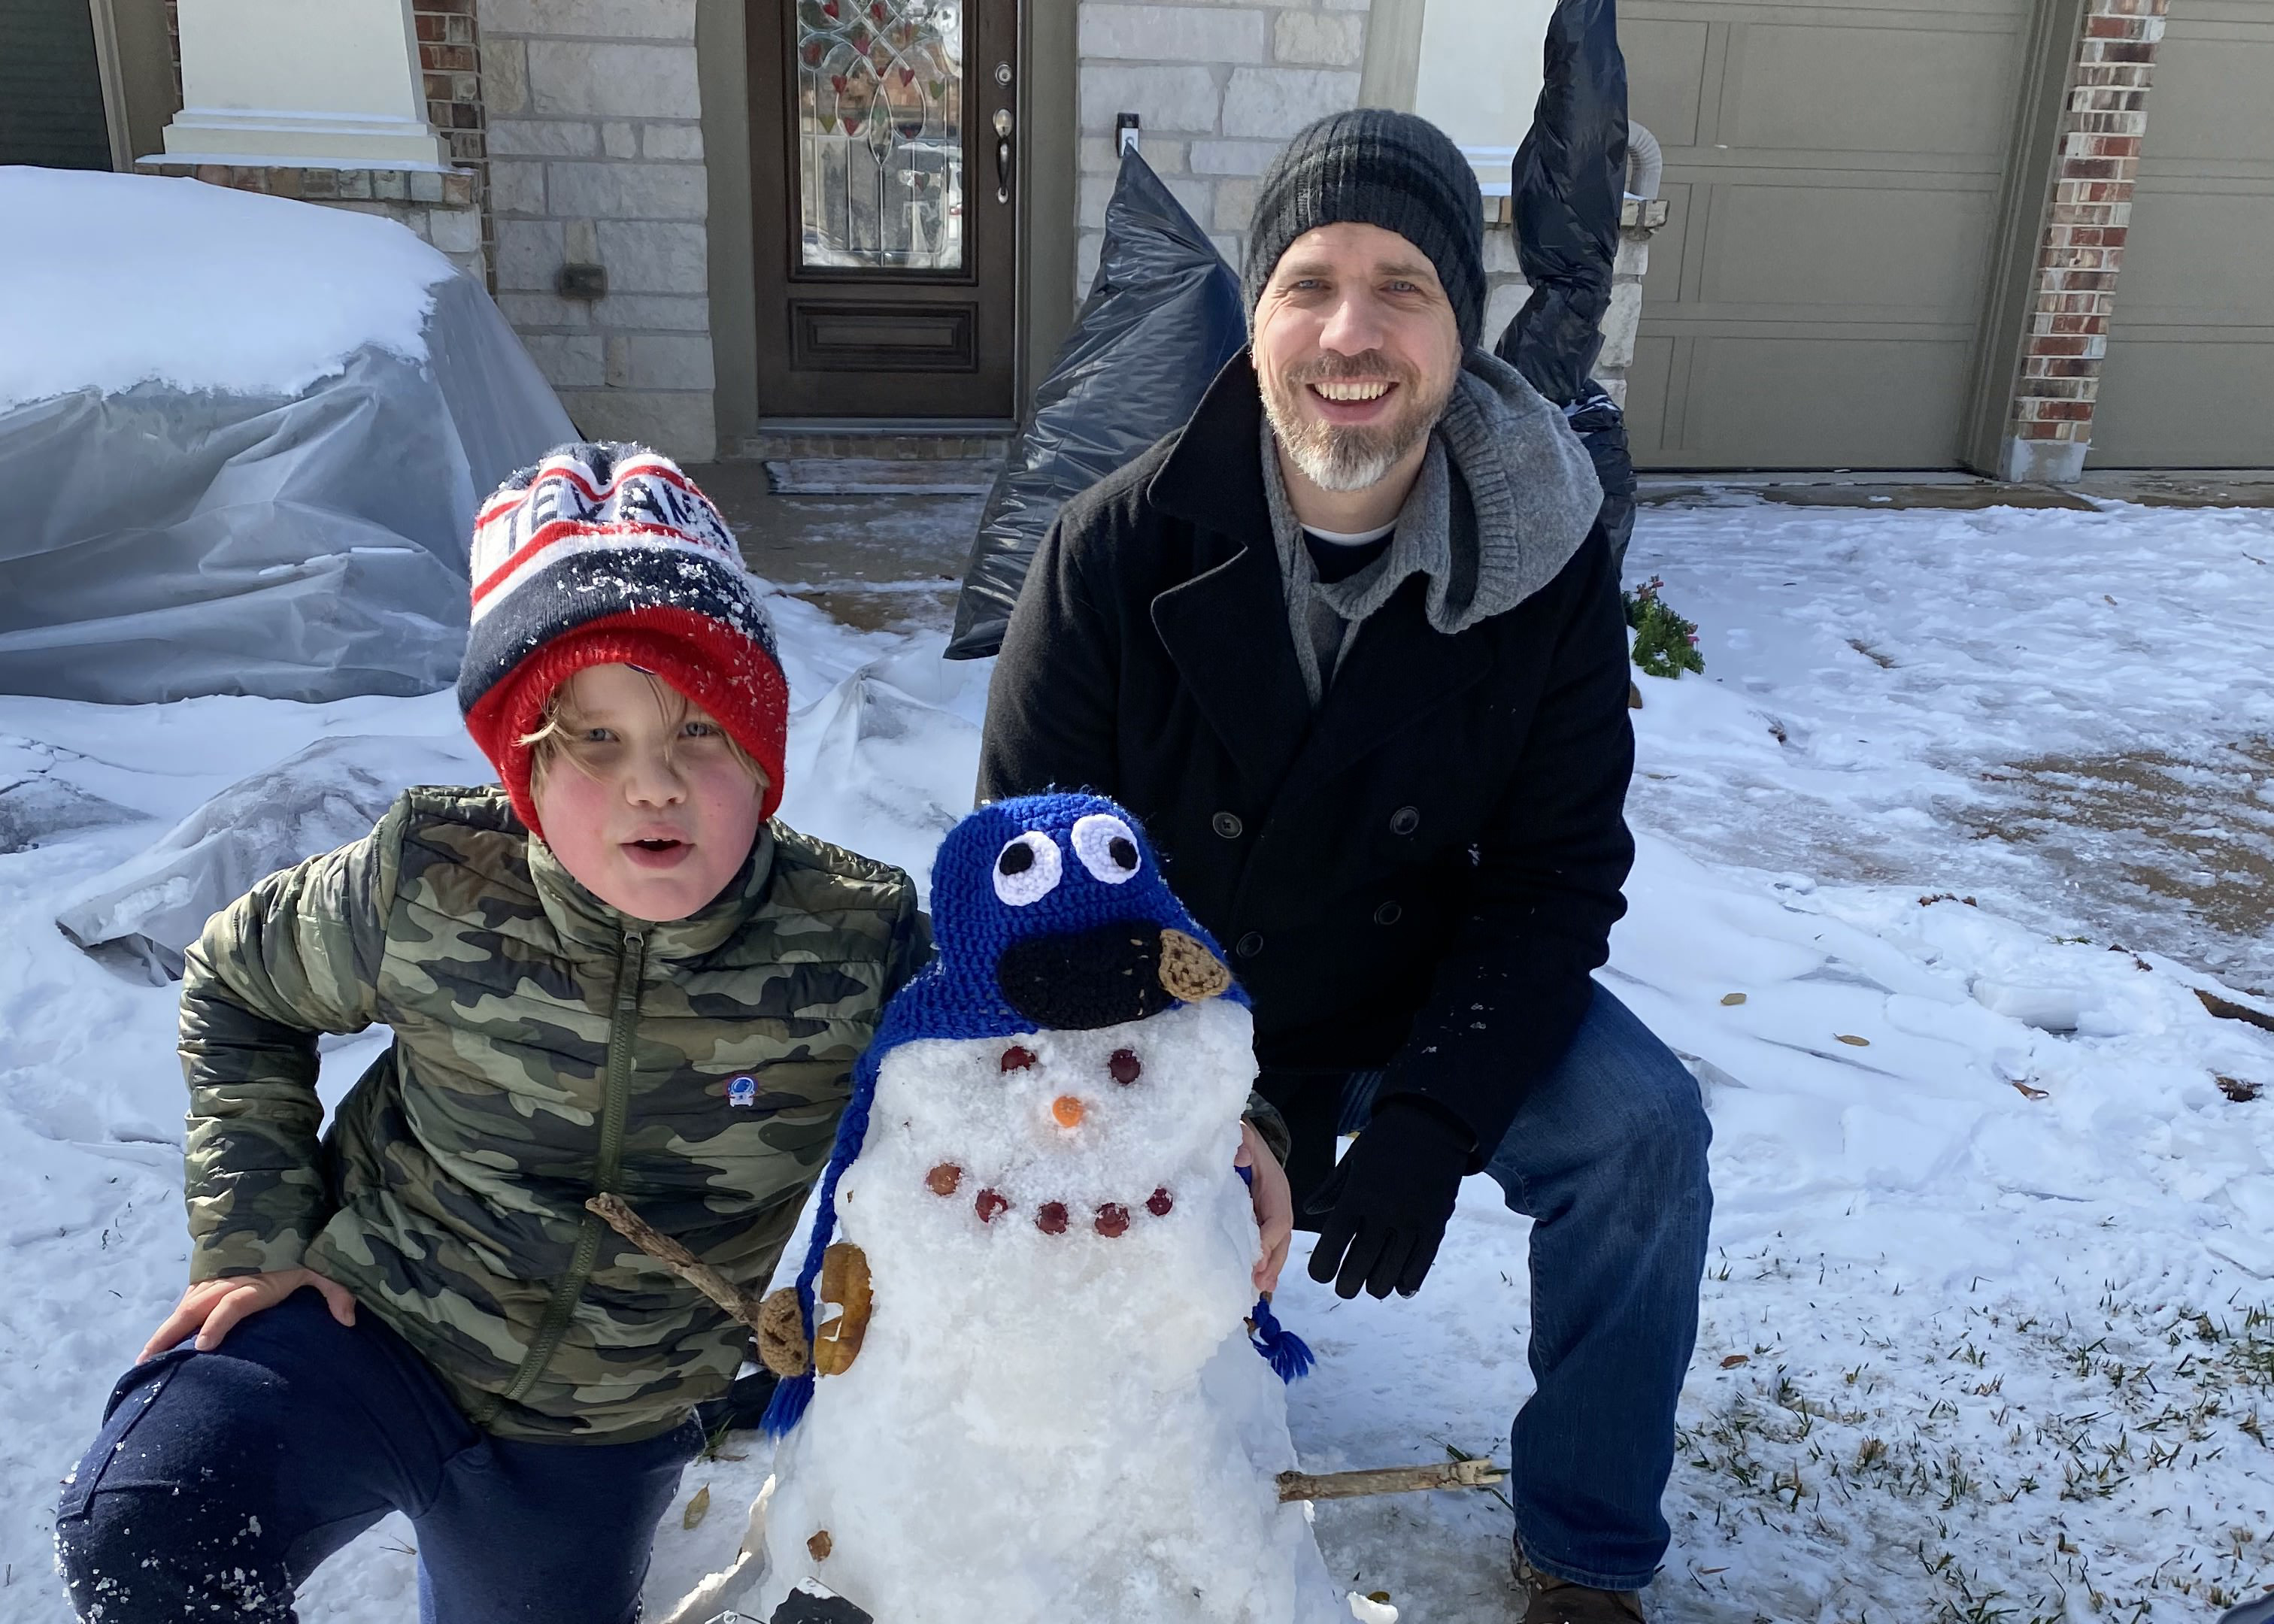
x=1382, y=169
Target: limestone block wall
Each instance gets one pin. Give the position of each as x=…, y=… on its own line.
x=596, y=158
x=1220, y=88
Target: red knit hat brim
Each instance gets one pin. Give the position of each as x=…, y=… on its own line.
x=730, y=676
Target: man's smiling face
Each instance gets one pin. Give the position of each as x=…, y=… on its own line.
x=1357, y=349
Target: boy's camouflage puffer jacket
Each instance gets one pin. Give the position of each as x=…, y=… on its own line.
x=546, y=1046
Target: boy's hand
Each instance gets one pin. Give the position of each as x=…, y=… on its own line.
x=1275, y=1205
x=212, y=1307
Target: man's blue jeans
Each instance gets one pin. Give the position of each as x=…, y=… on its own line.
x=1607, y=1157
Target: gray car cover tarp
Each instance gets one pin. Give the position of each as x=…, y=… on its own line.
x=1161, y=320
x=158, y=545
x=322, y=797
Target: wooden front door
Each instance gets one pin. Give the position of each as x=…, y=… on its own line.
x=886, y=171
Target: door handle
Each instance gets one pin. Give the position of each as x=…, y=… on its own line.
x=1002, y=154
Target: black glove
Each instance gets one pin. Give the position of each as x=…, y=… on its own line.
x=1385, y=1206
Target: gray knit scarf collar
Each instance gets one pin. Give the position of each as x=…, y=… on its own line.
x=1506, y=495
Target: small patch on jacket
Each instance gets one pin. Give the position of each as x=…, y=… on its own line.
x=742, y=1091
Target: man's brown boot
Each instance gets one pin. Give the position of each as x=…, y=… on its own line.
x=1558, y=1601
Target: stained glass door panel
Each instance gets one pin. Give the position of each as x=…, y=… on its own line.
x=886, y=150
x=879, y=111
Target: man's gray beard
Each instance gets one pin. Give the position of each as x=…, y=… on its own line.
x=1345, y=460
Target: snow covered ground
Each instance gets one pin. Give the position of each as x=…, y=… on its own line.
x=1986, y=1332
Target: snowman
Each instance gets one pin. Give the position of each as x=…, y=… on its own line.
x=1035, y=1396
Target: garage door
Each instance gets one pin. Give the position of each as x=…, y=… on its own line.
x=2189, y=381
x=1834, y=173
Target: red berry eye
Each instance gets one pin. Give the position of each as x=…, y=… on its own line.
x=1125, y=1066
x=1017, y=1059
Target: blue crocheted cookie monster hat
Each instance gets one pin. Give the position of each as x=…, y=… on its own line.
x=1049, y=913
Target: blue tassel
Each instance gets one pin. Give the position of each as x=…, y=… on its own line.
x=792, y=1395
x=1289, y=1356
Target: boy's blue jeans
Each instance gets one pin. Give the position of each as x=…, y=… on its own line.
x=220, y=1481
x=1607, y=1157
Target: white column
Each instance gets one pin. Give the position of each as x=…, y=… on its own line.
x=314, y=84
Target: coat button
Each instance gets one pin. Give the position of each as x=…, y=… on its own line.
x=1388, y=913
x=1405, y=820
x=1249, y=945
x=1228, y=825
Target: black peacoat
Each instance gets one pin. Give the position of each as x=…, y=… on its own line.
x=1422, y=875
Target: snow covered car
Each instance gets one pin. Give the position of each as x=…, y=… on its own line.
x=242, y=440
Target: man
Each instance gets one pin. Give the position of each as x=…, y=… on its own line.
x=1351, y=646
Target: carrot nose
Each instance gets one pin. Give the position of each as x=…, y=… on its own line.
x=1067, y=1111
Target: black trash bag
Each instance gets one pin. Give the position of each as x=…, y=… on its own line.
x=1162, y=318
x=1602, y=429
x=1568, y=182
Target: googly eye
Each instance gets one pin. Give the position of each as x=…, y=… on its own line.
x=1027, y=870
x=1107, y=848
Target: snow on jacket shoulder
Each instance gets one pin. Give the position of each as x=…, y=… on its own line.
x=546, y=1048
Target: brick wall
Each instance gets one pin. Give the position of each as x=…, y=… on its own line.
x=595, y=145
x=1220, y=89
x=2082, y=252
x=450, y=60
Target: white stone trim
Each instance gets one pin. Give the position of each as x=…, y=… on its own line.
x=301, y=84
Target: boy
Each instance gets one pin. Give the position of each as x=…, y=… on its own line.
x=614, y=973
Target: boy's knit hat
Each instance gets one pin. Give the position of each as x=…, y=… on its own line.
x=1377, y=167
x=606, y=554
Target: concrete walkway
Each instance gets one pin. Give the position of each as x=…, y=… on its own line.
x=874, y=560
x=1948, y=492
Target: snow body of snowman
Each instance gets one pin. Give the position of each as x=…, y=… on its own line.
x=1036, y=1398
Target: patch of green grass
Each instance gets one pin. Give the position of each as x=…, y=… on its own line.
x=2004, y=1505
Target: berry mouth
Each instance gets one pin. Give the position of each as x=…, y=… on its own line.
x=1110, y=1219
